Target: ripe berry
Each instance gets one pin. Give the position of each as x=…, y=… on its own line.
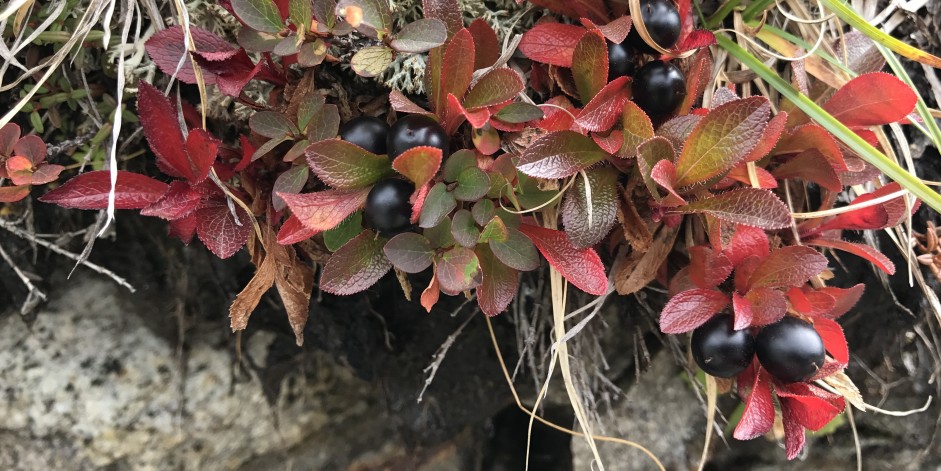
x=367, y=132
x=659, y=88
x=662, y=20
x=721, y=351
x=620, y=60
x=791, y=349
x=387, y=208
x=416, y=130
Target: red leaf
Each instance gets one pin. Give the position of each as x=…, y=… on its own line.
x=9, y=136
x=32, y=147
x=708, y=269
x=581, y=267
x=218, y=229
x=845, y=299
x=744, y=314
x=794, y=436
x=183, y=228
x=324, y=210
x=46, y=173
x=179, y=201
x=551, y=43
x=810, y=302
x=359, y=264
x=768, y=305
x=457, y=270
x=788, y=266
x=232, y=74
x=560, y=154
x=690, y=309
x=769, y=138
x=159, y=119
x=90, y=191
x=456, y=69
x=429, y=297
x=758, y=416
x=10, y=194
x=801, y=405
x=168, y=46
x=486, y=44
x=557, y=119
x=880, y=216
x=664, y=173
x=19, y=170
x=810, y=166
x=833, y=339
x=606, y=107
x=860, y=250
x=496, y=87
x=615, y=31
x=698, y=77
x=872, y=100
x=419, y=164
x=812, y=136
x=695, y=40
x=294, y=231
x=399, y=102
x=201, y=152
x=764, y=178
x=743, y=271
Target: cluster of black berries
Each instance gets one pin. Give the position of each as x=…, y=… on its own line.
x=790, y=349
x=658, y=87
x=387, y=207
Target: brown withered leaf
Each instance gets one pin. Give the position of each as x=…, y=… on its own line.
x=429, y=297
x=246, y=301
x=635, y=228
x=640, y=268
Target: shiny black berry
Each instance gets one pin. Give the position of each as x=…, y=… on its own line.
x=659, y=88
x=791, y=350
x=662, y=20
x=416, y=130
x=720, y=350
x=387, y=208
x=620, y=60
x=367, y=132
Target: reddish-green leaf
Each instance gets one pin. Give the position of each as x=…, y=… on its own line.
x=377, y=16
x=690, y=309
x=486, y=44
x=457, y=270
x=418, y=164
x=664, y=174
x=272, y=124
x=464, y=229
x=32, y=147
x=606, y=106
x=260, y=15
x=294, y=231
x=19, y=170
x=356, y=266
x=788, y=266
x=218, y=229
x=498, y=86
x=494, y=231
x=812, y=136
x=448, y=11
x=698, y=77
x=590, y=65
x=323, y=210
x=749, y=206
x=438, y=204
x=337, y=237
x=292, y=180
x=551, y=43
x=10, y=194
x=343, y=165
x=589, y=209
x=517, y=251
x=9, y=136
x=90, y=191
x=649, y=153
x=560, y=154
x=865, y=251
x=677, y=129
x=722, y=139
x=810, y=166
x=457, y=68
x=371, y=61
x=769, y=138
x=472, y=184
x=409, y=252
x=637, y=129
x=581, y=267
x=872, y=100
x=420, y=36
x=519, y=113
x=498, y=285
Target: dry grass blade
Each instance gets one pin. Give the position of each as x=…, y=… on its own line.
x=711, y=394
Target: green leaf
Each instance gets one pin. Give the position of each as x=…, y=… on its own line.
x=356, y=266
x=272, y=124
x=589, y=209
x=749, y=206
x=309, y=106
x=530, y=196
x=498, y=86
x=464, y=229
x=297, y=150
x=344, y=232
x=261, y=15
x=457, y=163
x=290, y=181
x=852, y=140
x=343, y=165
x=494, y=231
x=560, y=154
x=458, y=270
x=376, y=15
x=498, y=285
x=472, y=185
x=256, y=41
x=517, y=252
x=420, y=36
x=267, y=147
x=286, y=46
x=300, y=13
x=371, y=61
x=590, y=66
x=409, y=252
x=418, y=164
x=438, y=204
x=519, y=112
x=722, y=139
x=440, y=235
x=483, y=211
x=325, y=12
x=312, y=53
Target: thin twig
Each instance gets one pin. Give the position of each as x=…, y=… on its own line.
x=438, y=358
x=33, y=290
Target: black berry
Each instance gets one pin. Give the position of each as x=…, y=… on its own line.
x=721, y=351
x=416, y=130
x=662, y=20
x=659, y=88
x=791, y=349
x=620, y=60
x=387, y=208
x=367, y=132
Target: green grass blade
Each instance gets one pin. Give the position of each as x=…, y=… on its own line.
x=831, y=124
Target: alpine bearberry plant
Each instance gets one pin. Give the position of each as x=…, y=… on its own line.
x=606, y=131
